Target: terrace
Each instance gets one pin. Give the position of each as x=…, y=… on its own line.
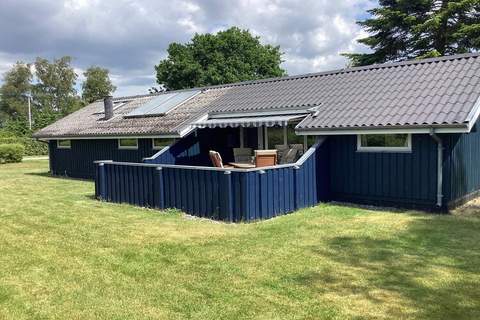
x=242, y=187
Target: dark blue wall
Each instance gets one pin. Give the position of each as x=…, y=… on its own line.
x=461, y=165
x=391, y=179
x=193, y=150
x=78, y=161
x=212, y=193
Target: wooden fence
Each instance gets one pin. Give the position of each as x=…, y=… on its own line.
x=221, y=194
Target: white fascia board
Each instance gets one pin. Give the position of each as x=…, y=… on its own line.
x=425, y=130
x=473, y=115
x=185, y=131
x=259, y=113
x=112, y=137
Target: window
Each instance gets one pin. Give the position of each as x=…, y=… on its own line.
x=384, y=142
x=276, y=136
x=160, y=143
x=64, y=144
x=128, y=143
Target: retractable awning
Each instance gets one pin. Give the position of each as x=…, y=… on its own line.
x=268, y=121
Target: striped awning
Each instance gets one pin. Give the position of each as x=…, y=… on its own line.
x=268, y=121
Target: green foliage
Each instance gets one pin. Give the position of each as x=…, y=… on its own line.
x=55, y=90
x=406, y=29
x=10, y=153
x=18, y=126
x=53, y=94
x=209, y=59
x=97, y=84
x=31, y=146
x=16, y=85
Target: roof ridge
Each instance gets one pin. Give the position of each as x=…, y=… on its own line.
x=350, y=69
x=312, y=75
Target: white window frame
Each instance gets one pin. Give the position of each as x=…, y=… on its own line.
x=127, y=147
x=64, y=147
x=160, y=148
x=407, y=148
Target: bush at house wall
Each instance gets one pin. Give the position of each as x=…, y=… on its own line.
x=11, y=152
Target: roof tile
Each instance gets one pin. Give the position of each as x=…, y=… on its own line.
x=421, y=92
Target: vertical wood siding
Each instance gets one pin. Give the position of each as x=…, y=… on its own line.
x=216, y=194
x=461, y=165
x=193, y=149
x=78, y=161
x=393, y=179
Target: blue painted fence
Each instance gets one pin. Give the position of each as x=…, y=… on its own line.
x=221, y=194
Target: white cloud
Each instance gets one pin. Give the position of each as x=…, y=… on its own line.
x=130, y=37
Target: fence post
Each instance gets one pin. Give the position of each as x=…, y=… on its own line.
x=296, y=184
x=101, y=181
x=263, y=196
x=160, y=198
x=227, y=205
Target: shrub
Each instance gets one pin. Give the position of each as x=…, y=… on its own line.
x=11, y=152
x=32, y=146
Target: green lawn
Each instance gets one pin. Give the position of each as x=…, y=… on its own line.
x=64, y=255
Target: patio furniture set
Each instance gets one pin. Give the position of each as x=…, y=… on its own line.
x=246, y=158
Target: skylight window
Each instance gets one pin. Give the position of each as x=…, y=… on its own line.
x=163, y=103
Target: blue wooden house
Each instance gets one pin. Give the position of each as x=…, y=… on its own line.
x=399, y=134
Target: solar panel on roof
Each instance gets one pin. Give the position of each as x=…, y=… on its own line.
x=163, y=103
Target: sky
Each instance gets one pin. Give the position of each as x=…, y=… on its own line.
x=130, y=37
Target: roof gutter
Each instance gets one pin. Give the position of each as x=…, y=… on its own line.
x=166, y=136
x=439, y=142
x=462, y=128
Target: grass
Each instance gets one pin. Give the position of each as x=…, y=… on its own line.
x=65, y=255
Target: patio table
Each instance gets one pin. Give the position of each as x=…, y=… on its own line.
x=241, y=165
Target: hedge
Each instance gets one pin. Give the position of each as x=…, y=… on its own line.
x=32, y=147
x=11, y=152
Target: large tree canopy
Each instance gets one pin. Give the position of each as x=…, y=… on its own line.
x=225, y=57
x=97, y=84
x=406, y=29
x=16, y=86
x=55, y=89
x=51, y=87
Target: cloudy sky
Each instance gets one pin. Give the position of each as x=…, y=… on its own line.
x=129, y=37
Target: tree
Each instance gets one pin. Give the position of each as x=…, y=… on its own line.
x=160, y=88
x=406, y=29
x=209, y=59
x=55, y=89
x=16, y=86
x=97, y=84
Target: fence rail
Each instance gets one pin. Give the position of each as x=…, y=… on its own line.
x=221, y=194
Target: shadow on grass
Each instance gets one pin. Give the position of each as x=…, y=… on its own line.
x=432, y=268
x=49, y=175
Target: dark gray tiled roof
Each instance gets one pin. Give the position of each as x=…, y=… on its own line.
x=440, y=91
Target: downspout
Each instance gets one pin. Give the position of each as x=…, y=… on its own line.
x=439, y=166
